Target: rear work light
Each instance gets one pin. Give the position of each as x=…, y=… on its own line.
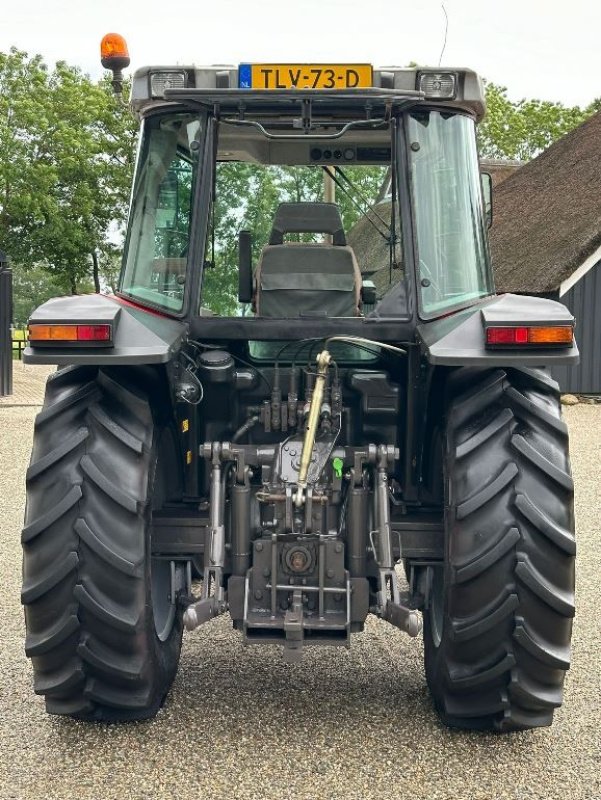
x=159, y=81
x=64, y=334
x=530, y=335
x=437, y=85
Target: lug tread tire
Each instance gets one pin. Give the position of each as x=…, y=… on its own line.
x=508, y=588
x=106, y=550
x=52, y=636
x=463, y=628
x=86, y=579
x=47, y=580
x=487, y=557
x=47, y=518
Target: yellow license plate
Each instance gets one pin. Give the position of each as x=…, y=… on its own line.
x=305, y=76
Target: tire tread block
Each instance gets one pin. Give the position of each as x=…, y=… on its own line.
x=560, y=601
x=554, y=657
x=116, y=697
x=73, y=374
x=521, y=719
x=33, y=589
x=472, y=401
x=121, y=622
x=113, y=664
x=72, y=707
x=554, y=532
x=467, y=570
x=476, y=625
x=478, y=705
x=521, y=403
x=556, y=474
x=105, y=552
x=461, y=680
x=116, y=430
x=103, y=483
x=88, y=392
x=64, y=679
x=44, y=463
x=538, y=376
x=48, y=518
x=127, y=396
x=38, y=644
x=479, y=438
x=487, y=492
x=532, y=694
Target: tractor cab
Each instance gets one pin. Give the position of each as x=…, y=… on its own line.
x=306, y=191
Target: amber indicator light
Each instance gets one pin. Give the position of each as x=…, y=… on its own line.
x=524, y=335
x=557, y=335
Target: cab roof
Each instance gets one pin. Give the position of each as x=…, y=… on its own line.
x=219, y=85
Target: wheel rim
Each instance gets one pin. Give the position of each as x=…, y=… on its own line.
x=163, y=609
x=437, y=605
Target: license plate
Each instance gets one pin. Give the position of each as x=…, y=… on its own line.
x=304, y=76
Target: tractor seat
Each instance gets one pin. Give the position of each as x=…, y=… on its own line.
x=298, y=279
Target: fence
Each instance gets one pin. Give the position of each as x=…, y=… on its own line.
x=6, y=313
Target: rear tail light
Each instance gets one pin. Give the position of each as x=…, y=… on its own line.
x=93, y=333
x=525, y=335
x=69, y=333
x=507, y=336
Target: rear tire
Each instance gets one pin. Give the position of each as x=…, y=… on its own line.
x=498, y=627
x=103, y=644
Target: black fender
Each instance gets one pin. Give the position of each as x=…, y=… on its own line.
x=140, y=336
x=458, y=340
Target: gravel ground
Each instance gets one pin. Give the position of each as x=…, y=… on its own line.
x=343, y=724
x=29, y=381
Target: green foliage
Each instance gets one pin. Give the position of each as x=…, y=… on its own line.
x=523, y=129
x=34, y=286
x=66, y=160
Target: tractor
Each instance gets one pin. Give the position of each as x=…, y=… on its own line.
x=304, y=403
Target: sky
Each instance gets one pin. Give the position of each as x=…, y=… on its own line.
x=539, y=50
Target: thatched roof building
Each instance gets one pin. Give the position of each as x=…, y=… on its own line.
x=546, y=239
x=547, y=215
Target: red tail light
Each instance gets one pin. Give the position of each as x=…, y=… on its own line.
x=93, y=333
x=507, y=336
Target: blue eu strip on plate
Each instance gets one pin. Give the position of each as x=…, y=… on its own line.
x=244, y=76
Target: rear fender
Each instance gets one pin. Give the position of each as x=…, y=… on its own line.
x=458, y=340
x=140, y=336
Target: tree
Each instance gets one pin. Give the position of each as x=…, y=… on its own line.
x=523, y=129
x=66, y=161
x=32, y=287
